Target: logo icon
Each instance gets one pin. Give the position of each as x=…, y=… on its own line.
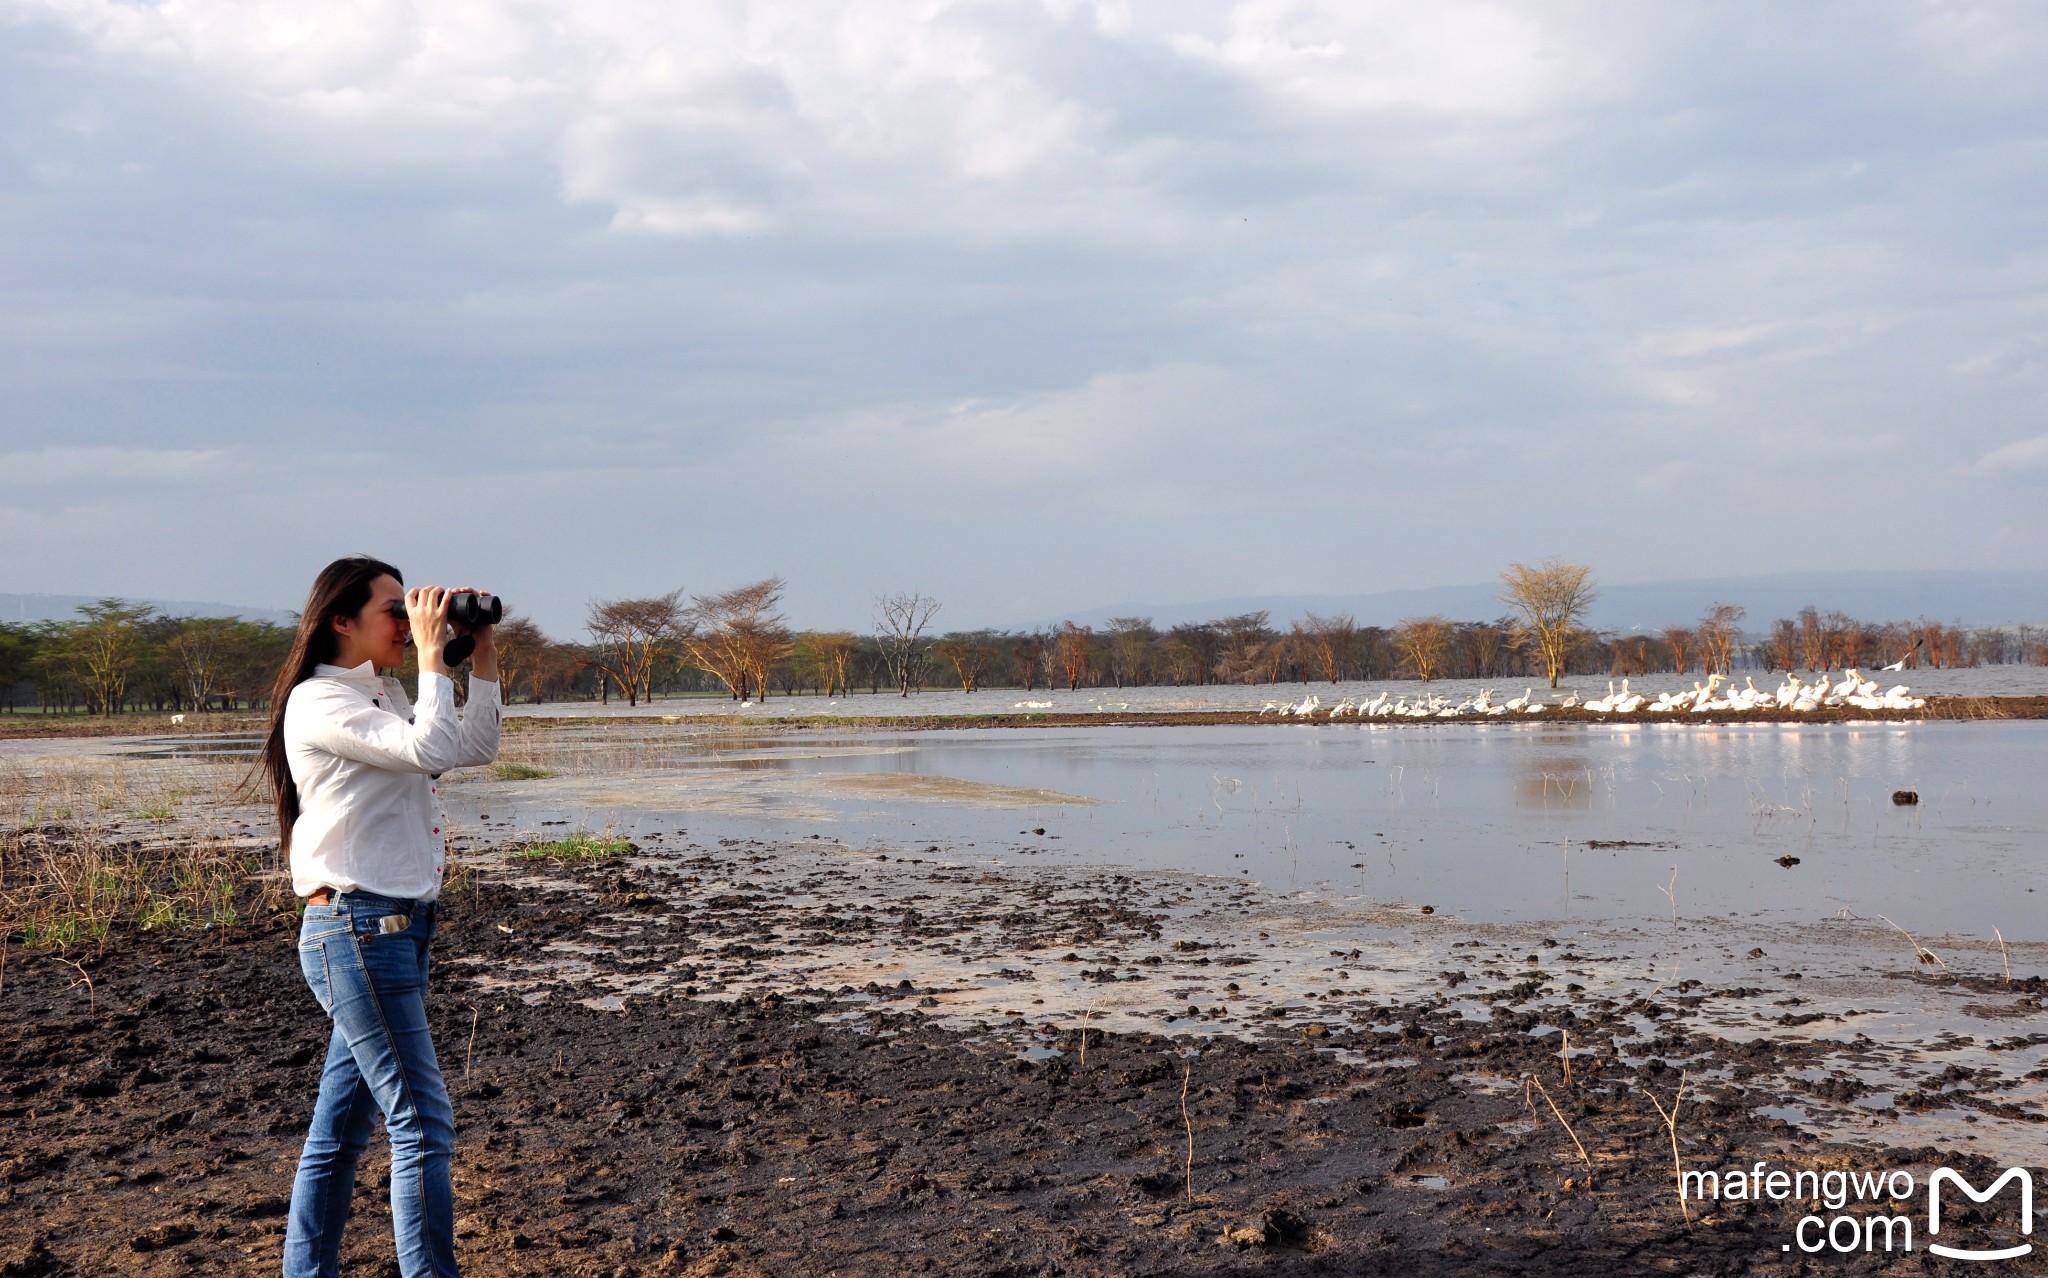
x=1971, y=1192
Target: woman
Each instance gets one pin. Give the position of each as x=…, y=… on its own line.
x=353, y=766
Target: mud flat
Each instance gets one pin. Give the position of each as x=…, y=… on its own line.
x=755, y=1057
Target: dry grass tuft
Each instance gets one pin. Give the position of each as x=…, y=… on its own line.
x=64, y=887
x=1670, y=1118
x=1584, y=1157
x=1971, y=708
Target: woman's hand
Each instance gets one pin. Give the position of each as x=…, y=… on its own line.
x=426, y=607
x=483, y=663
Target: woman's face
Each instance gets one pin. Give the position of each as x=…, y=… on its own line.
x=375, y=634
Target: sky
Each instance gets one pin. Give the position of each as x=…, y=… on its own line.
x=1032, y=306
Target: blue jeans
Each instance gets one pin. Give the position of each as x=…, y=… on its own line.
x=373, y=983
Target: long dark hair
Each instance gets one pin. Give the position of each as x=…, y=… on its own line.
x=341, y=590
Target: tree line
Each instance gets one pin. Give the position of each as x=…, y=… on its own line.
x=117, y=656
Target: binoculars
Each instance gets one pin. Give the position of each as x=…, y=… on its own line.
x=467, y=611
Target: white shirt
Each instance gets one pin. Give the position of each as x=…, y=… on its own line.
x=364, y=760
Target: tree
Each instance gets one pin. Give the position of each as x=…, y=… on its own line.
x=1552, y=599
x=1813, y=643
x=203, y=647
x=1718, y=634
x=1196, y=646
x=1072, y=645
x=17, y=652
x=1130, y=643
x=522, y=648
x=1679, y=640
x=739, y=637
x=969, y=653
x=1422, y=642
x=560, y=668
x=1784, y=644
x=1325, y=643
x=900, y=621
x=1179, y=659
x=635, y=638
x=1484, y=642
x=1244, y=641
x=830, y=654
x=106, y=648
x=1028, y=652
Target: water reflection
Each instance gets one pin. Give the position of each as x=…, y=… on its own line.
x=1489, y=821
x=210, y=745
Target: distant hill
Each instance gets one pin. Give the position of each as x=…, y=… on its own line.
x=1971, y=598
x=19, y=608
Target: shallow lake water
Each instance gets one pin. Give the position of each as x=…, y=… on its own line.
x=1979, y=681
x=1490, y=822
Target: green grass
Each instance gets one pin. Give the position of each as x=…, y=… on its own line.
x=520, y=772
x=163, y=811
x=577, y=847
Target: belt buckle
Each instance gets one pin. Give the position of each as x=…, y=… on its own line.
x=393, y=923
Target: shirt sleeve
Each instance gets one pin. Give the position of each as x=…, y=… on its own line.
x=480, y=718
x=326, y=717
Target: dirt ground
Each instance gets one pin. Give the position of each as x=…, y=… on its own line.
x=152, y=1098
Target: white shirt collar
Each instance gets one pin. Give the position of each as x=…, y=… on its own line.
x=367, y=670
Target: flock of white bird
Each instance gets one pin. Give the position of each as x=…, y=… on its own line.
x=1795, y=694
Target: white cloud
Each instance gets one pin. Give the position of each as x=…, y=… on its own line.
x=1697, y=340
x=2021, y=457
x=1249, y=281
x=1456, y=59
x=1096, y=444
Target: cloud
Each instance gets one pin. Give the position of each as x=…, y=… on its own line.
x=1054, y=300
x=2021, y=457
x=1368, y=57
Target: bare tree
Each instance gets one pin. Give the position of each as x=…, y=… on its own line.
x=635, y=639
x=1422, y=642
x=738, y=637
x=1552, y=599
x=1718, y=633
x=900, y=621
x=1325, y=643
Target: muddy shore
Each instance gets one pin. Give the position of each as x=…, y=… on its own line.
x=155, y=1094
